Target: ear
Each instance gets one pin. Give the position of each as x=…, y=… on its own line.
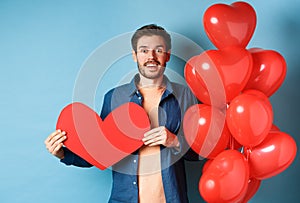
x=168, y=55
x=134, y=56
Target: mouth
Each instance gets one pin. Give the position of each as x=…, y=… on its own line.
x=152, y=64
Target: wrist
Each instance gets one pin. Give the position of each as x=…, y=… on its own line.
x=176, y=143
x=60, y=154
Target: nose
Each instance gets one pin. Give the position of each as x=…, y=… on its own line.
x=152, y=54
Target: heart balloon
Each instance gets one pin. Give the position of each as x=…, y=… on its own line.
x=206, y=165
x=269, y=71
x=230, y=25
x=233, y=144
x=253, y=186
x=217, y=76
x=275, y=128
x=103, y=143
x=226, y=178
x=205, y=130
x=260, y=95
x=272, y=156
x=249, y=119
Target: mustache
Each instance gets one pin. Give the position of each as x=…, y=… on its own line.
x=152, y=61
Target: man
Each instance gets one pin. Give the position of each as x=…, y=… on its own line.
x=155, y=173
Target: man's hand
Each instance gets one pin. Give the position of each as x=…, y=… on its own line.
x=54, y=143
x=161, y=136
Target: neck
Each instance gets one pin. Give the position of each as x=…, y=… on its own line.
x=146, y=82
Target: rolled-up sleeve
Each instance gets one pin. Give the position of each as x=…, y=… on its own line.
x=72, y=159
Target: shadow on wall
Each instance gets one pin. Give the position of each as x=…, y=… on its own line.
x=194, y=172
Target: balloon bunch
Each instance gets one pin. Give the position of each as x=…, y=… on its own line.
x=233, y=127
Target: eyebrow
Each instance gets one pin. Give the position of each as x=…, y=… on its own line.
x=158, y=46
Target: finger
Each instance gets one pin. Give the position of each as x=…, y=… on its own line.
x=155, y=144
x=57, y=148
x=151, y=136
x=153, y=141
x=56, y=140
x=51, y=148
x=154, y=130
x=52, y=135
x=57, y=137
x=154, y=133
x=160, y=132
x=62, y=139
x=57, y=145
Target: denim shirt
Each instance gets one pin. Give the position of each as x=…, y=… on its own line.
x=174, y=102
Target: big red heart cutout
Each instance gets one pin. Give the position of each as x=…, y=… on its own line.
x=230, y=25
x=103, y=143
x=217, y=76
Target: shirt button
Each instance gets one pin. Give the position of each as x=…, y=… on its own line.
x=134, y=161
x=134, y=183
x=139, y=98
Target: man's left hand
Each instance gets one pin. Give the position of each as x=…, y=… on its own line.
x=160, y=136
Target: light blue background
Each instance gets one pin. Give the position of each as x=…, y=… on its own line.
x=43, y=45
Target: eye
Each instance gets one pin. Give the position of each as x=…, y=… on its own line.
x=144, y=51
x=160, y=51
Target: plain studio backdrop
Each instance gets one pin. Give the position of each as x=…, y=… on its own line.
x=43, y=46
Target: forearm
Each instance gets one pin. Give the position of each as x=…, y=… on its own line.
x=72, y=159
x=185, y=149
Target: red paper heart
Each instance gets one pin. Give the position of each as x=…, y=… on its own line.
x=272, y=156
x=269, y=71
x=230, y=25
x=217, y=76
x=103, y=143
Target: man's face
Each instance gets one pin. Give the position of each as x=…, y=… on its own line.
x=151, y=56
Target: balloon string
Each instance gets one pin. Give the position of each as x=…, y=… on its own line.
x=231, y=142
x=248, y=152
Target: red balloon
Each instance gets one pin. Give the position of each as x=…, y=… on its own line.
x=269, y=71
x=206, y=165
x=230, y=25
x=275, y=128
x=273, y=155
x=205, y=130
x=249, y=119
x=217, y=76
x=253, y=186
x=233, y=144
x=260, y=95
x=205, y=81
x=226, y=178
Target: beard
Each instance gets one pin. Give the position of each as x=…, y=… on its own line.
x=153, y=72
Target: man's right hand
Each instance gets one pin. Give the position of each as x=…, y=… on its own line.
x=54, y=143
